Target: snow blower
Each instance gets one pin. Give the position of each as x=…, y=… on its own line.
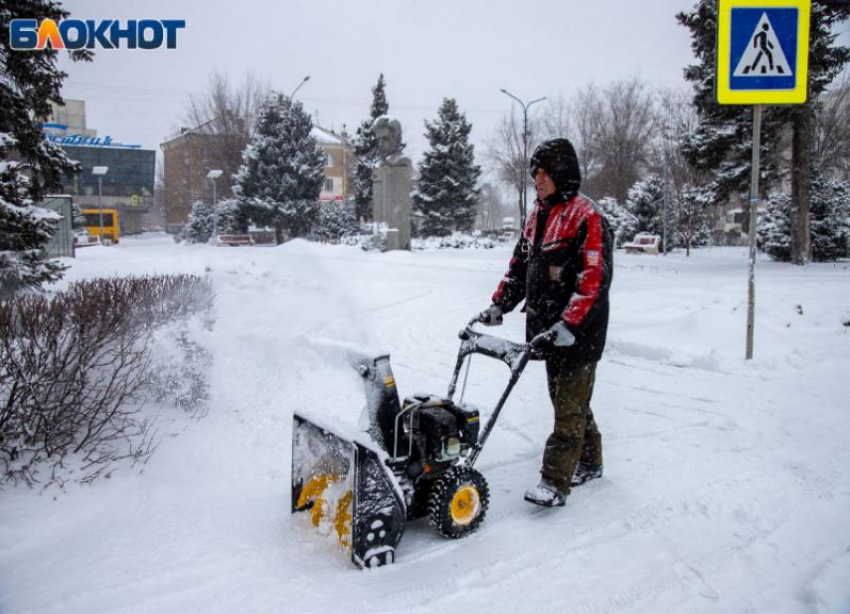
x=415, y=459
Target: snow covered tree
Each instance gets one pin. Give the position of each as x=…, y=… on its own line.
x=365, y=145
x=232, y=218
x=826, y=61
x=623, y=223
x=721, y=144
x=282, y=169
x=774, y=228
x=336, y=219
x=830, y=224
x=30, y=166
x=199, y=225
x=646, y=202
x=692, y=227
x=830, y=220
x=446, y=198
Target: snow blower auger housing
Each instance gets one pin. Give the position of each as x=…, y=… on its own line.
x=415, y=460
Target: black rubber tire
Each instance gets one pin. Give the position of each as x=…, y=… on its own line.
x=442, y=493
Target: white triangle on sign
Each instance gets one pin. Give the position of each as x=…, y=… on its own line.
x=764, y=56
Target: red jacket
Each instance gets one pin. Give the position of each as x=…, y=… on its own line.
x=562, y=267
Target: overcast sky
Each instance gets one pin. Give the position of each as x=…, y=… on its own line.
x=427, y=50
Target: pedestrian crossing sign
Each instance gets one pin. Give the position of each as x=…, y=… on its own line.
x=762, y=51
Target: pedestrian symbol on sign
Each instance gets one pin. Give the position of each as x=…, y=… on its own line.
x=764, y=56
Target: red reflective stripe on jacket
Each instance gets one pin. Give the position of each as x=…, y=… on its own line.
x=590, y=279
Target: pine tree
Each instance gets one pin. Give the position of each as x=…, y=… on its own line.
x=446, y=197
x=774, y=228
x=826, y=61
x=199, y=225
x=623, y=223
x=366, y=151
x=282, y=169
x=721, y=145
x=336, y=219
x=30, y=166
x=830, y=219
x=232, y=218
x=646, y=202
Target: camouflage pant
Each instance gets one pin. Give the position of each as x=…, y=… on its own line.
x=575, y=436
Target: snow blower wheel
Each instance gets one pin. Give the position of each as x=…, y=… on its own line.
x=458, y=502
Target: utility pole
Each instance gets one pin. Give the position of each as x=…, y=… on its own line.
x=523, y=212
x=666, y=198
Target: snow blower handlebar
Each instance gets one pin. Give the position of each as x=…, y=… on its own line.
x=515, y=355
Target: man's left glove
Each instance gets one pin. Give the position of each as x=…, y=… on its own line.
x=557, y=335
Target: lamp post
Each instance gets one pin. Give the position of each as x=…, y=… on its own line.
x=99, y=172
x=525, y=106
x=298, y=87
x=212, y=176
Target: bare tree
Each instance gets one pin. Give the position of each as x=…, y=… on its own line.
x=504, y=153
x=578, y=119
x=622, y=137
x=225, y=111
x=491, y=207
x=832, y=130
x=689, y=196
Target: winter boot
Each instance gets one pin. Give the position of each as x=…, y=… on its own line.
x=546, y=494
x=585, y=472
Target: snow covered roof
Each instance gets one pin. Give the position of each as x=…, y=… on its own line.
x=326, y=136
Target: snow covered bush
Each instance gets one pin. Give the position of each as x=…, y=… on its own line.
x=336, y=219
x=623, y=224
x=646, y=203
x=75, y=372
x=232, y=217
x=774, y=228
x=199, y=225
x=457, y=240
x=830, y=202
x=830, y=223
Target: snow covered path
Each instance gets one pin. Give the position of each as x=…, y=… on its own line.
x=726, y=488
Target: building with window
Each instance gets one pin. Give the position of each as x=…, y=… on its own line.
x=128, y=185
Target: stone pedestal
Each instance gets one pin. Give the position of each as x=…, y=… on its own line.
x=391, y=205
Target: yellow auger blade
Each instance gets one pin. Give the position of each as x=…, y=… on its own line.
x=312, y=493
x=342, y=521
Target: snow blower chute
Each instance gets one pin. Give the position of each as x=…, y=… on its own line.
x=416, y=458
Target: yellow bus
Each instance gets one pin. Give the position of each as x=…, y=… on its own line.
x=110, y=224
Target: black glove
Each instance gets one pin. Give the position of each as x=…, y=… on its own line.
x=492, y=316
x=558, y=335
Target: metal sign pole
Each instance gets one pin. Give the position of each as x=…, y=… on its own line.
x=754, y=202
x=100, y=206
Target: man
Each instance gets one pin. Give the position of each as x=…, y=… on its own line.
x=562, y=267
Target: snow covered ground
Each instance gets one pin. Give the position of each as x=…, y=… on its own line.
x=726, y=488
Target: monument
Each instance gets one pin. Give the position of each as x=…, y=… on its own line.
x=392, y=182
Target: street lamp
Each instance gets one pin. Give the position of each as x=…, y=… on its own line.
x=298, y=87
x=99, y=172
x=525, y=106
x=212, y=176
